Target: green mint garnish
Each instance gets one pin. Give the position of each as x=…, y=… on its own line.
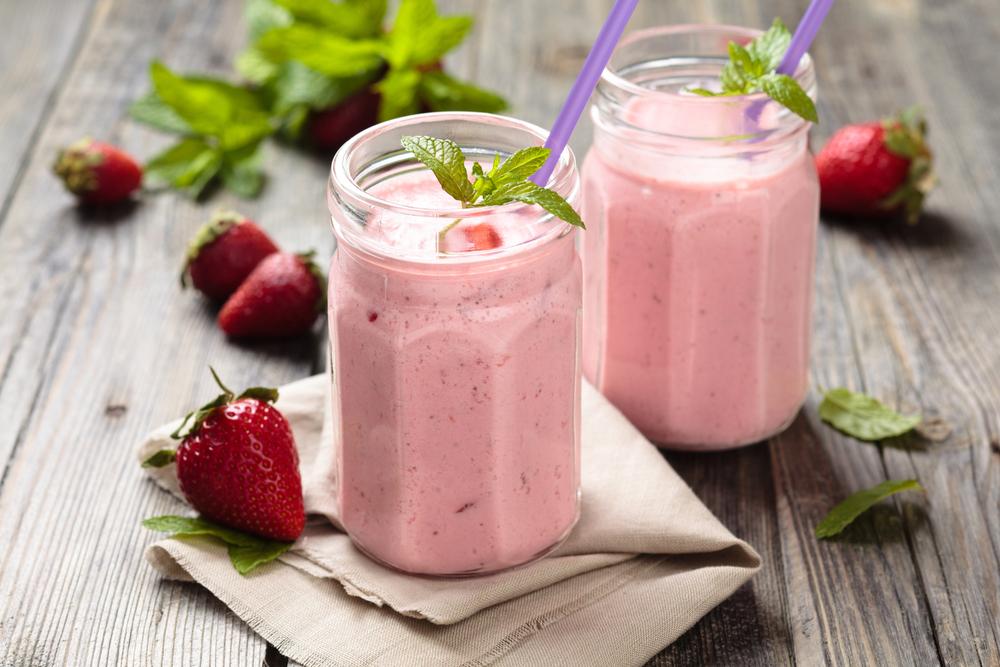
x=246, y=552
x=751, y=69
x=223, y=126
x=506, y=181
x=863, y=417
x=856, y=504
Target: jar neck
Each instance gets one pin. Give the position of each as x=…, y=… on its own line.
x=388, y=207
x=644, y=97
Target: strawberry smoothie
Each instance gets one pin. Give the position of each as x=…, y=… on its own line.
x=699, y=264
x=457, y=376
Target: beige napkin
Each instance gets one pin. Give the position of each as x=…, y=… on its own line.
x=645, y=562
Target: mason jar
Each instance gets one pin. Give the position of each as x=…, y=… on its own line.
x=700, y=253
x=455, y=354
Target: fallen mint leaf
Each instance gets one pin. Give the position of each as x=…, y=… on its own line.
x=162, y=458
x=246, y=552
x=856, y=504
x=863, y=417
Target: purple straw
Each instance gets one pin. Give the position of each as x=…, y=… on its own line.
x=804, y=35
x=584, y=85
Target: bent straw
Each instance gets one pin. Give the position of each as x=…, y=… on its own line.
x=584, y=85
x=804, y=35
x=803, y=38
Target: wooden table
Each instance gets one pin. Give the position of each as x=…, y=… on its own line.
x=98, y=344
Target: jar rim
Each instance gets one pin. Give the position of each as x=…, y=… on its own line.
x=561, y=179
x=803, y=73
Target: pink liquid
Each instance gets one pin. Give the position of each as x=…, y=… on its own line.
x=699, y=286
x=458, y=394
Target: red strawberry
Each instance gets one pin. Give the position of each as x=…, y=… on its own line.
x=281, y=297
x=237, y=464
x=329, y=128
x=877, y=168
x=482, y=236
x=223, y=253
x=97, y=173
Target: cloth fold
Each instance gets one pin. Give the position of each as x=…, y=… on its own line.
x=644, y=563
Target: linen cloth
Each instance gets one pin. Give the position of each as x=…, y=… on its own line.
x=644, y=563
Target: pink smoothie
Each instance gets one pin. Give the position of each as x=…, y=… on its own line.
x=458, y=387
x=699, y=284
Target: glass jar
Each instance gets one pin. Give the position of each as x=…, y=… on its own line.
x=455, y=363
x=700, y=255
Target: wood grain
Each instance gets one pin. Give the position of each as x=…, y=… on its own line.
x=36, y=52
x=97, y=345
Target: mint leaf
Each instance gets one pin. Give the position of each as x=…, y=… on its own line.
x=399, y=94
x=321, y=50
x=520, y=166
x=244, y=177
x=246, y=552
x=351, y=19
x=786, y=91
x=263, y=15
x=769, y=48
x=856, y=504
x=152, y=111
x=863, y=417
x=442, y=92
x=529, y=193
x=162, y=458
x=247, y=558
x=255, y=67
x=751, y=69
x=447, y=161
x=179, y=165
x=420, y=36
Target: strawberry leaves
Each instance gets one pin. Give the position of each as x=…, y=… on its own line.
x=751, y=69
x=222, y=127
x=505, y=182
x=246, y=552
x=193, y=420
x=906, y=136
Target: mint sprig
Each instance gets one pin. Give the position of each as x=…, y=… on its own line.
x=506, y=181
x=344, y=49
x=751, y=69
x=841, y=516
x=246, y=552
x=222, y=127
x=863, y=417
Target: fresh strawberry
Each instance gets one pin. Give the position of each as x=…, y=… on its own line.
x=482, y=236
x=281, y=297
x=237, y=464
x=329, y=128
x=223, y=253
x=877, y=168
x=97, y=173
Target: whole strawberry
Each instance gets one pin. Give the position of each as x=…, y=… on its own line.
x=281, y=297
x=238, y=466
x=877, y=169
x=97, y=173
x=329, y=128
x=223, y=253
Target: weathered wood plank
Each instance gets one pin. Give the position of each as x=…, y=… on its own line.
x=36, y=51
x=102, y=345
